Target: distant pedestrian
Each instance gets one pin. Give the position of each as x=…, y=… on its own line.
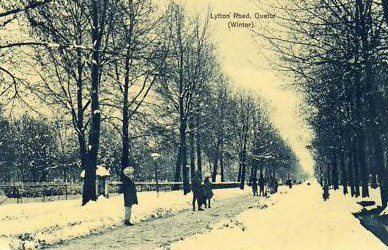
x=130, y=197
x=254, y=186
x=275, y=182
x=208, y=191
x=289, y=183
x=197, y=190
x=261, y=184
x=325, y=194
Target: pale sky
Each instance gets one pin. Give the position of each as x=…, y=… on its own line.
x=248, y=68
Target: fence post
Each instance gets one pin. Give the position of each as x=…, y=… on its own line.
x=66, y=190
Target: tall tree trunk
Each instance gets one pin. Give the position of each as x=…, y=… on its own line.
x=376, y=140
x=254, y=169
x=182, y=128
x=372, y=170
x=89, y=188
x=177, y=175
x=222, y=138
x=344, y=178
x=222, y=161
x=364, y=171
x=363, y=31
x=329, y=180
x=358, y=93
x=182, y=156
x=222, y=157
x=125, y=129
x=350, y=169
x=215, y=168
x=356, y=169
x=243, y=166
x=192, y=147
x=379, y=162
x=126, y=116
x=242, y=178
x=335, y=171
x=216, y=158
x=82, y=144
x=239, y=166
x=198, y=134
x=186, y=186
x=80, y=113
x=244, y=150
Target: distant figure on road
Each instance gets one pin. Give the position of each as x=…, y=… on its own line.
x=325, y=194
x=289, y=183
x=276, y=185
x=261, y=184
x=197, y=190
x=207, y=190
x=130, y=197
x=273, y=185
x=254, y=186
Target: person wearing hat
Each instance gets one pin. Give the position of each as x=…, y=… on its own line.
x=129, y=189
x=208, y=190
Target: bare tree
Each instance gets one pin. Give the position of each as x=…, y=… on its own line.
x=336, y=53
x=188, y=57
x=140, y=53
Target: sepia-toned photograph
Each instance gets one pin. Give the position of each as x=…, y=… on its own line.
x=193, y=124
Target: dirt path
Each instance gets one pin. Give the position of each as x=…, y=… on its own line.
x=160, y=233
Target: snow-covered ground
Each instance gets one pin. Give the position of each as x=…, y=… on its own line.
x=26, y=226
x=299, y=219
x=296, y=218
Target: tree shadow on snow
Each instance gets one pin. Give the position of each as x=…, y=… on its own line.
x=373, y=221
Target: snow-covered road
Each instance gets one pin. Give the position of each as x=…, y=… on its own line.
x=299, y=219
x=159, y=233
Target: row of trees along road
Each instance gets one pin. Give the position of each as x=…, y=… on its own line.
x=336, y=51
x=110, y=82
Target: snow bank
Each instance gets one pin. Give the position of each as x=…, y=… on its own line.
x=33, y=225
x=296, y=218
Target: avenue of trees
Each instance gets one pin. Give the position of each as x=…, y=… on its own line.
x=113, y=82
x=336, y=53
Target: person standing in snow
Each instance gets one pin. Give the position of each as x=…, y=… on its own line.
x=196, y=189
x=130, y=197
x=325, y=194
x=254, y=186
x=261, y=184
x=208, y=190
x=275, y=183
x=289, y=183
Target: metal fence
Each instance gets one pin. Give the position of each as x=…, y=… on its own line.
x=49, y=191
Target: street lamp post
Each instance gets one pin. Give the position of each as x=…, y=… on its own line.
x=155, y=156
